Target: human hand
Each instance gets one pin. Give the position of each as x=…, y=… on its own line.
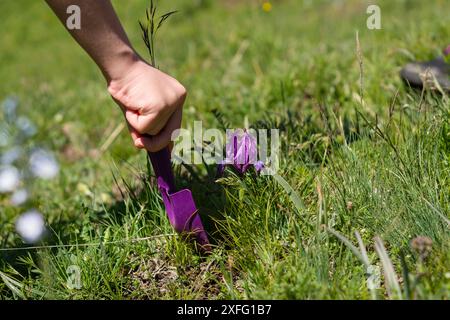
x=152, y=103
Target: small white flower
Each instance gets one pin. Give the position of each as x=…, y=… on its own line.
x=9, y=178
x=19, y=197
x=30, y=226
x=43, y=164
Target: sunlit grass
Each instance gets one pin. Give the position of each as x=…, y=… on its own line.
x=379, y=168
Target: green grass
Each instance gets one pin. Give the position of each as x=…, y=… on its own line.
x=379, y=167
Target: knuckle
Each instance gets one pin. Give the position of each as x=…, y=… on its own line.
x=181, y=92
x=177, y=92
x=113, y=90
x=119, y=95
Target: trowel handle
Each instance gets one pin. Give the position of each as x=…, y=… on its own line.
x=162, y=166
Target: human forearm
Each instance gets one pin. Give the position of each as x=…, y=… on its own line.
x=151, y=100
x=101, y=35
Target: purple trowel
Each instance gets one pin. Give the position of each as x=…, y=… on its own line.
x=180, y=206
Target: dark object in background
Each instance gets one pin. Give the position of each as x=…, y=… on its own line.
x=416, y=74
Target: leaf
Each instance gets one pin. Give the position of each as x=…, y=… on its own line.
x=149, y=30
x=348, y=243
x=362, y=247
x=391, y=279
x=291, y=192
x=14, y=285
x=164, y=17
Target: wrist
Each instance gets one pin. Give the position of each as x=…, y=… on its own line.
x=119, y=65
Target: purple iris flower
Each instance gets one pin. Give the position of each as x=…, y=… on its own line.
x=241, y=152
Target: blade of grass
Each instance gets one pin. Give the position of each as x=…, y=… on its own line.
x=391, y=279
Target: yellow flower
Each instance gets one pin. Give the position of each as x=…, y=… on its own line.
x=267, y=6
x=84, y=189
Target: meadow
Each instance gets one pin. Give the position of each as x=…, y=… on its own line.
x=361, y=206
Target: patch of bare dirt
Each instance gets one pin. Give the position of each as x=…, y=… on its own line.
x=158, y=278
